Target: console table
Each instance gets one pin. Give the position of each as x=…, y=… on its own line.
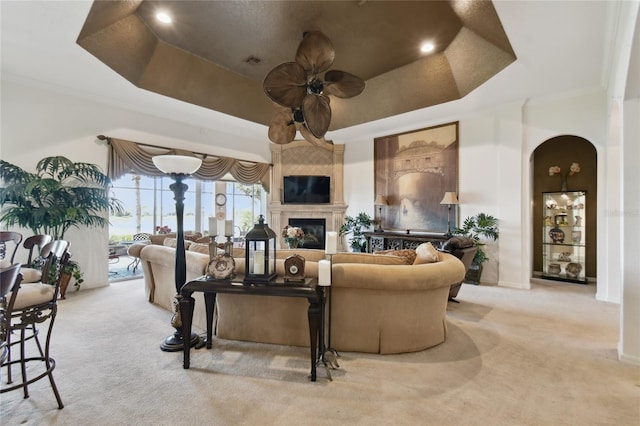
x=388, y=240
x=210, y=287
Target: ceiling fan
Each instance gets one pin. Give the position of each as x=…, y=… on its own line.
x=298, y=88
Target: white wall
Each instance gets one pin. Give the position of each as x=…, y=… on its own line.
x=37, y=123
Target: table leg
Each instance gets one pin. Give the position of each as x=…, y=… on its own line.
x=210, y=303
x=186, y=315
x=315, y=316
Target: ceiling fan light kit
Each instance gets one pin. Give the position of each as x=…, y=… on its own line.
x=298, y=88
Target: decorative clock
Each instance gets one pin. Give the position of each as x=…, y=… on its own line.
x=294, y=268
x=221, y=199
x=221, y=267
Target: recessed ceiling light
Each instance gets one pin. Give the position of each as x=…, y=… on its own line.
x=163, y=17
x=427, y=47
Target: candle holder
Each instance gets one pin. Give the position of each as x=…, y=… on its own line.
x=328, y=355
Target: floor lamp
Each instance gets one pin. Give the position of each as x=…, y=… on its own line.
x=178, y=167
x=450, y=199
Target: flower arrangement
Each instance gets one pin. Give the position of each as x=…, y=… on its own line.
x=573, y=169
x=293, y=235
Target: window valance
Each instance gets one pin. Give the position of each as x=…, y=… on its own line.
x=131, y=157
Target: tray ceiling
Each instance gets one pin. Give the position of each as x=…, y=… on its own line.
x=216, y=54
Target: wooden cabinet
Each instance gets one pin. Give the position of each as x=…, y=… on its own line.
x=377, y=241
x=564, y=236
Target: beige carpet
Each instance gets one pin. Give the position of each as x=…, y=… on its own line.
x=545, y=356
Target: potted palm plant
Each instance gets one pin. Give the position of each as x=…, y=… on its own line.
x=60, y=194
x=475, y=227
x=356, y=226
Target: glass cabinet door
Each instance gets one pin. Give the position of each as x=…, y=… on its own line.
x=563, y=239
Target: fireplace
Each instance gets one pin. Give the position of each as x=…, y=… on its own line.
x=314, y=231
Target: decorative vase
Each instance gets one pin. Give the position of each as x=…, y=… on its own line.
x=573, y=269
x=473, y=274
x=292, y=244
x=65, y=278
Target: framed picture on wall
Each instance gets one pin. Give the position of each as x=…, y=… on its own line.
x=413, y=170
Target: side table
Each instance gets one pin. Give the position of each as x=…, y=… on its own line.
x=308, y=289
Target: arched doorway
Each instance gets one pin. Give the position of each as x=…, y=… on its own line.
x=563, y=151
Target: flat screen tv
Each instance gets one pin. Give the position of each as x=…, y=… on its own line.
x=306, y=190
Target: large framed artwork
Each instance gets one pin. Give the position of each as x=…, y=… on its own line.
x=413, y=170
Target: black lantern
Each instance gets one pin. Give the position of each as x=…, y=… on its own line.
x=260, y=254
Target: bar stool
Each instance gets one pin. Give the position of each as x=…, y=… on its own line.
x=28, y=305
x=9, y=237
x=35, y=244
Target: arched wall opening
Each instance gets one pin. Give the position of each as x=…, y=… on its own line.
x=563, y=151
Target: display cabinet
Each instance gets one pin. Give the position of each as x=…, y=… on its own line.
x=564, y=236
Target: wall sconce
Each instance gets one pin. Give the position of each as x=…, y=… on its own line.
x=179, y=167
x=380, y=201
x=449, y=199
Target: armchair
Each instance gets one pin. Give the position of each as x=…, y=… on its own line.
x=463, y=248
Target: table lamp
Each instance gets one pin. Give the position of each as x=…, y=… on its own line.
x=450, y=199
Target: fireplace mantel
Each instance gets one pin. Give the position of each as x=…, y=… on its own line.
x=303, y=158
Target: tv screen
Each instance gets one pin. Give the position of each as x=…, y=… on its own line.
x=306, y=190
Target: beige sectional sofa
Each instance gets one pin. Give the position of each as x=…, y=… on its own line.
x=380, y=304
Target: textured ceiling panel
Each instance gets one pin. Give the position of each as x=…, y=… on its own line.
x=201, y=57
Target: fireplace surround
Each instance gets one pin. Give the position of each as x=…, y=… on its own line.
x=303, y=158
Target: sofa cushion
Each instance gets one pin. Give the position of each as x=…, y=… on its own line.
x=369, y=258
x=409, y=255
x=426, y=253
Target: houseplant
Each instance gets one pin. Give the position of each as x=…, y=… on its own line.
x=60, y=194
x=475, y=227
x=357, y=226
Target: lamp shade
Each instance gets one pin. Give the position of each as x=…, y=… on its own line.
x=381, y=200
x=178, y=164
x=449, y=198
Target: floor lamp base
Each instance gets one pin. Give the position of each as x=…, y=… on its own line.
x=175, y=342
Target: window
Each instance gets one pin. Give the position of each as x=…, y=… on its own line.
x=149, y=204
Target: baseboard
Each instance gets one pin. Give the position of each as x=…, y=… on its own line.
x=628, y=359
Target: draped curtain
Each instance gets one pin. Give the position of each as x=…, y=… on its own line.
x=130, y=157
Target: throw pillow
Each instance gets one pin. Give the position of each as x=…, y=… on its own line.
x=199, y=248
x=171, y=242
x=409, y=255
x=192, y=237
x=426, y=253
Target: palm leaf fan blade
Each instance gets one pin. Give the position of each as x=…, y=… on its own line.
x=320, y=142
x=315, y=53
x=282, y=130
x=342, y=84
x=317, y=114
x=286, y=84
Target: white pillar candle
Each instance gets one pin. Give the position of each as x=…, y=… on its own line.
x=213, y=226
x=258, y=262
x=228, y=228
x=331, y=243
x=324, y=272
